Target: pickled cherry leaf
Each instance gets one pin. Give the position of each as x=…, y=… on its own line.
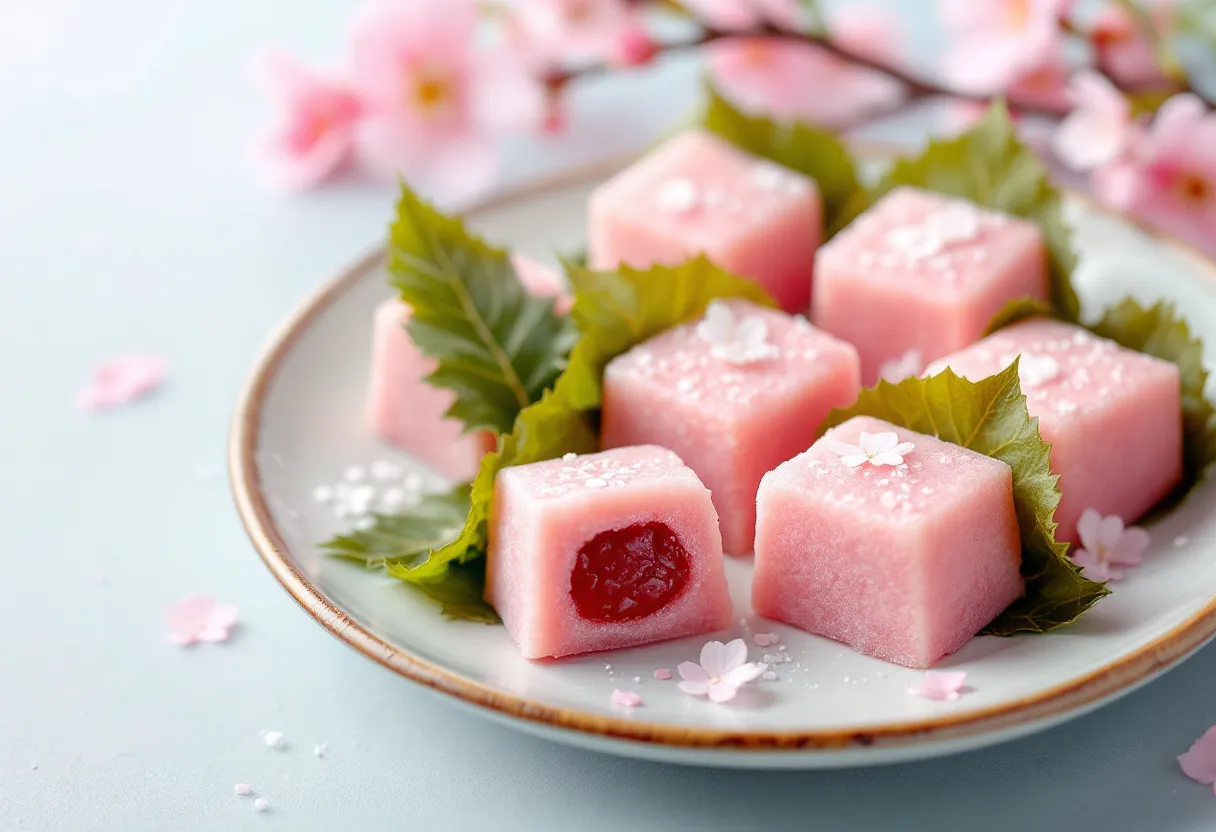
x=398, y=543
x=990, y=417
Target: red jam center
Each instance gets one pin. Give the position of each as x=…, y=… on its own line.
x=630, y=573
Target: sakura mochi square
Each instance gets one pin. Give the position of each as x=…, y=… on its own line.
x=922, y=274
x=700, y=194
x=903, y=553
x=1112, y=416
x=604, y=551
x=735, y=395
x=407, y=411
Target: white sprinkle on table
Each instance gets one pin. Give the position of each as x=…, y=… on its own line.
x=323, y=494
x=320, y=749
x=273, y=739
x=355, y=473
x=383, y=469
x=261, y=805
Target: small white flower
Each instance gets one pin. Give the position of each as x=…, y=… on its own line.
x=875, y=448
x=735, y=341
x=724, y=669
x=898, y=369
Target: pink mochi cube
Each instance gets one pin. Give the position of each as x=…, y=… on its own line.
x=1112, y=416
x=603, y=551
x=903, y=561
x=700, y=194
x=692, y=389
x=920, y=275
x=407, y=411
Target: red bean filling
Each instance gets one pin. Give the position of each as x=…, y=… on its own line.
x=630, y=573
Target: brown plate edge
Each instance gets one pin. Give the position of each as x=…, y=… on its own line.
x=1076, y=694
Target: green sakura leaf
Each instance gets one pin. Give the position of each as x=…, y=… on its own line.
x=990, y=166
x=1018, y=309
x=617, y=310
x=1161, y=332
x=496, y=345
x=800, y=147
x=990, y=417
x=399, y=542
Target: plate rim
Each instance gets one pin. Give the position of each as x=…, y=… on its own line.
x=254, y=511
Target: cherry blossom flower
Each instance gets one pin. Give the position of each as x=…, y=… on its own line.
x=122, y=380
x=633, y=47
x=1043, y=80
x=746, y=15
x=432, y=102
x=553, y=32
x=314, y=133
x=1123, y=51
x=625, y=699
x=1097, y=131
x=1199, y=761
x=997, y=41
x=1168, y=176
x=1107, y=545
x=198, y=618
x=940, y=685
x=735, y=341
x=770, y=75
x=724, y=669
x=905, y=366
x=878, y=449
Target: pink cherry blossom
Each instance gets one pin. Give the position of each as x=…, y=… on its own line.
x=314, y=131
x=798, y=82
x=559, y=31
x=1097, y=131
x=633, y=47
x=998, y=41
x=940, y=685
x=724, y=669
x=1106, y=545
x=1043, y=81
x=1199, y=761
x=870, y=31
x=746, y=15
x=198, y=618
x=122, y=380
x=625, y=699
x=432, y=102
x=1122, y=50
x=1168, y=177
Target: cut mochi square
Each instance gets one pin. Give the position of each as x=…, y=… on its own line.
x=734, y=394
x=920, y=275
x=898, y=544
x=1112, y=416
x=405, y=410
x=699, y=194
x=603, y=551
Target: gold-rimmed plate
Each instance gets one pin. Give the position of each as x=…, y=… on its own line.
x=300, y=424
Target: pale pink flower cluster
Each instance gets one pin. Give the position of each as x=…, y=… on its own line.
x=420, y=97
x=1162, y=172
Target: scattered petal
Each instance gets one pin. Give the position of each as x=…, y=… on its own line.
x=765, y=639
x=242, y=789
x=878, y=449
x=122, y=380
x=940, y=685
x=662, y=674
x=735, y=341
x=1106, y=545
x=1199, y=761
x=198, y=618
x=723, y=670
x=1098, y=129
x=625, y=699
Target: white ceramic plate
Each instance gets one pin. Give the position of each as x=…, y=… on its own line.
x=300, y=424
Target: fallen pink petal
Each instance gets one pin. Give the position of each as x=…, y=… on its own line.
x=625, y=699
x=662, y=674
x=940, y=685
x=122, y=380
x=199, y=618
x=1199, y=761
x=765, y=639
x=242, y=789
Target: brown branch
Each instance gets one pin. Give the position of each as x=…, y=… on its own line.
x=917, y=86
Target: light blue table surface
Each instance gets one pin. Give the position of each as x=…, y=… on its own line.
x=130, y=220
